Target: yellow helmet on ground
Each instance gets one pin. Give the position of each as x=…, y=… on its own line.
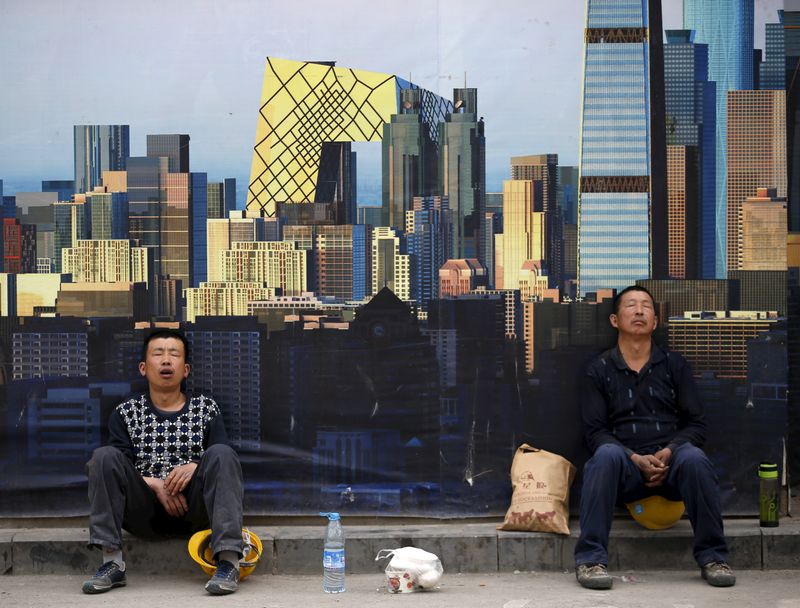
x=656, y=512
x=200, y=551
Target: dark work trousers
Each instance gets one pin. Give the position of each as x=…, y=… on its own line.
x=610, y=476
x=119, y=498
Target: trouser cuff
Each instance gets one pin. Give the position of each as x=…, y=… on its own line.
x=235, y=548
x=108, y=545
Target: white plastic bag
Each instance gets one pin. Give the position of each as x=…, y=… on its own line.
x=410, y=568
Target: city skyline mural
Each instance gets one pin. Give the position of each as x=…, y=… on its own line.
x=391, y=265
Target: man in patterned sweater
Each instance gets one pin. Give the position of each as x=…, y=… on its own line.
x=167, y=470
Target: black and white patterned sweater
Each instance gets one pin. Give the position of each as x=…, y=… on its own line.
x=157, y=441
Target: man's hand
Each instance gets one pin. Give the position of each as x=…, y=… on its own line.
x=664, y=455
x=654, y=469
x=179, y=478
x=175, y=505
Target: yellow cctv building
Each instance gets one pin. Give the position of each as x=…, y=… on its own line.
x=309, y=114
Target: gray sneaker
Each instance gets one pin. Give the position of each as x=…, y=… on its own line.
x=718, y=574
x=225, y=579
x=105, y=579
x=593, y=576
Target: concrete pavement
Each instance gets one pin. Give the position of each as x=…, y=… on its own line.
x=484, y=568
x=647, y=589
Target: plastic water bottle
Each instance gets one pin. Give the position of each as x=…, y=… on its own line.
x=333, y=555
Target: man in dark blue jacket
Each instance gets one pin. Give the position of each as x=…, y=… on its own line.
x=644, y=424
x=168, y=469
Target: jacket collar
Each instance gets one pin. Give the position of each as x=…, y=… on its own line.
x=656, y=355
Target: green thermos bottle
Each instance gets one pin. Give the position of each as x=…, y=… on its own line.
x=769, y=494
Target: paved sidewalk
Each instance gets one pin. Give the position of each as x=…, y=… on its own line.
x=673, y=589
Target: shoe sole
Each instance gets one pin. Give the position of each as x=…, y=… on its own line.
x=730, y=582
x=723, y=581
x=214, y=589
x=92, y=589
x=596, y=584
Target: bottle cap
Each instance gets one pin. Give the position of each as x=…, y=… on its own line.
x=768, y=470
x=331, y=516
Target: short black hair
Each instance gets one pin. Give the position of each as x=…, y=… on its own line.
x=618, y=297
x=164, y=332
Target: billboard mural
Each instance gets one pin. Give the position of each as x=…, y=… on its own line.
x=391, y=283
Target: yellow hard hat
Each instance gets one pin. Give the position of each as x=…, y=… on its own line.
x=200, y=551
x=656, y=512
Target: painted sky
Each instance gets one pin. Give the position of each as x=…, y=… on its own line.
x=196, y=67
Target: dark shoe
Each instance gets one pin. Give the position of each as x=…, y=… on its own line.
x=593, y=576
x=225, y=579
x=718, y=574
x=105, y=579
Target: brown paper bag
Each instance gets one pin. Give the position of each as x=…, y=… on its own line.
x=540, y=498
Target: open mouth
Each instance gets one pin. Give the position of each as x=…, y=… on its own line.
x=166, y=373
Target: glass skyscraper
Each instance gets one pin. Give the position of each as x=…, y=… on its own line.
x=175, y=227
x=342, y=261
x=524, y=231
x=791, y=45
x=144, y=200
x=72, y=223
x=544, y=167
x=462, y=174
x=726, y=26
x=64, y=187
x=221, y=198
x=567, y=193
x=174, y=146
x=98, y=148
x=162, y=199
x=622, y=230
x=198, y=201
x=215, y=202
x=691, y=121
x=146, y=195
x=773, y=69
x=109, y=214
x=427, y=237
x=409, y=157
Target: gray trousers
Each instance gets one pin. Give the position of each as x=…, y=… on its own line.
x=119, y=498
